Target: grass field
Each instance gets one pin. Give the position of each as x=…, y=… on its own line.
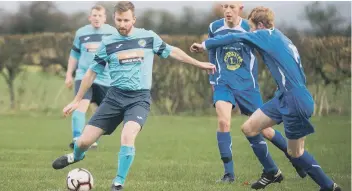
x=173, y=153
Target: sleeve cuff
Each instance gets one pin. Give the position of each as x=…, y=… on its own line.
x=166, y=53
x=97, y=68
x=203, y=45
x=74, y=54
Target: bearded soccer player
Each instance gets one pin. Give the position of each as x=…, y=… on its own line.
x=129, y=55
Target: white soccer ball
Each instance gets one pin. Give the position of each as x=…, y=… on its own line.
x=79, y=179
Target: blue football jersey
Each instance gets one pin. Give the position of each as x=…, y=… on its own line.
x=235, y=62
x=85, y=45
x=279, y=54
x=130, y=58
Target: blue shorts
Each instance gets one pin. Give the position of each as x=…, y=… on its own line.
x=121, y=105
x=248, y=100
x=294, y=108
x=95, y=94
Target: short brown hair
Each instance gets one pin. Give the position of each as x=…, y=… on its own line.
x=263, y=15
x=98, y=7
x=124, y=6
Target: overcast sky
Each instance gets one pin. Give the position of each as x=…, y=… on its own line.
x=287, y=11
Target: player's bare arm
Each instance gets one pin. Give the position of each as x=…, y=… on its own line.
x=72, y=64
x=180, y=55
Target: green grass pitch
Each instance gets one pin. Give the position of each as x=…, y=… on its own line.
x=172, y=153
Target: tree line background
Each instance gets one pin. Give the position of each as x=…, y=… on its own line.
x=35, y=44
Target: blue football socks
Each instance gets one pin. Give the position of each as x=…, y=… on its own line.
x=126, y=156
x=260, y=149
x=78, y=123
x=225, y=144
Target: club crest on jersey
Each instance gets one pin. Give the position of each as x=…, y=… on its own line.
x=233, y=60
x=142, y=43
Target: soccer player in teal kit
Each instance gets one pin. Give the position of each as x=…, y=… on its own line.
x=293, y=104
x=85, y=44
x=129, y=55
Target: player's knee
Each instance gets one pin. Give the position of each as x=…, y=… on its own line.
x=126, y=139
x=129, y=133
x=295, y=153
x=247, y=130
x=268, y=133
x=224, y=125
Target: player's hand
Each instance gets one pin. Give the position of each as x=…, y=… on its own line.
x=196, y=47
x=211, y=68
x=70, y=108
x=69, y=81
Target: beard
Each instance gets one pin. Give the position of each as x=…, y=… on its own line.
x=124, y=31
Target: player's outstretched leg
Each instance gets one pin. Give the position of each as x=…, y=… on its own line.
x=223, y=110
x=89, y=136
x=126, y=154
x=303, y=159
x=252, y=129
x=280, y=142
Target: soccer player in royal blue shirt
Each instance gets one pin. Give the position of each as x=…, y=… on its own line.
x=293, y=104
x=236, y=82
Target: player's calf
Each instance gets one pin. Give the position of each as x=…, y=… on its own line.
x=252, y=128
x=85, y=143
x=89, y=137
x=126, y=154
x=280, y=142
x=304, y=160
x=225, y=149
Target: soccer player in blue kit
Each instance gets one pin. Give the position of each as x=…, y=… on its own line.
x=292, y=104
x=129, y=55
x=85, y=44
x=236, y=81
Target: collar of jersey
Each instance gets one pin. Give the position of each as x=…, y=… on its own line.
x=271, y=29
x=239, y=24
